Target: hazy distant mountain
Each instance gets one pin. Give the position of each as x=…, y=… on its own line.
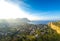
x=13, y=22
x=23, y=19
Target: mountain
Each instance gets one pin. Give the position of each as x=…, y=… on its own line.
x=23, y=19
x=13, y=22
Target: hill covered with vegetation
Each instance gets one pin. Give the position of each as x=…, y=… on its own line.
x=15, y=30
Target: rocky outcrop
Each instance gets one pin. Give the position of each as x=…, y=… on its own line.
x=55, y=26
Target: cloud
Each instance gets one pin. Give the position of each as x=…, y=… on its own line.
x=12, y=10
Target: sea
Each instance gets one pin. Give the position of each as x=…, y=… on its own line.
x=41, y=21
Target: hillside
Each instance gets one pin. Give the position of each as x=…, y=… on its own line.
x=12, y=30
x=55, y=26
x=13, y=22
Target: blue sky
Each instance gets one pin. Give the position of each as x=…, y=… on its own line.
x=31, y=9
x=44, y=5
x=49, y=9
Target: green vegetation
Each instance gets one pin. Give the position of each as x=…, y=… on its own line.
x=27, y=32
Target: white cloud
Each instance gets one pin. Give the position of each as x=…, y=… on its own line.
x=9, y=10
x=12, y=10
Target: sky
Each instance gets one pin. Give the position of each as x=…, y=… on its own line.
x=31, y=9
